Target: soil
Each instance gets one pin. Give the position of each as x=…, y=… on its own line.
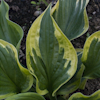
x=23, y=13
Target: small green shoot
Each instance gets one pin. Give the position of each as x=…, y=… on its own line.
x=87, y=35
x=39, y=2
x=33, y=3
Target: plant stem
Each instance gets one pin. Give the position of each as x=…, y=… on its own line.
x=52, y=98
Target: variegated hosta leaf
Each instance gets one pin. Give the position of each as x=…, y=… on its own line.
x=80, y=96
x=74, y=83
x=79, y=51
x=79, y=54
x=26, y=96
x=83, y=80
x=83, y=83
x=51, y=57
x=13, y=77
x=9, y=31
x=91, y=56
x=71, y=17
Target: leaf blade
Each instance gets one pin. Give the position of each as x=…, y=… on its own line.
x=74, y=83
x=13, y=77
x=71, y=17
x=80, y=96
x=90, y=57
x=45, y=51
x=9, y=31
x=26, y=96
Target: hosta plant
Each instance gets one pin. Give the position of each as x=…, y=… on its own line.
x=54, y=67
x=9, y=31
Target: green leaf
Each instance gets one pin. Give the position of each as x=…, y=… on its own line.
x=79, y=54
x=83, y=83
x=9, y=31
x=79, y=51
x=13, y=77
x=91, y=56
x=71, y=17
x=73, y=84
x=80, y=96
x=33, y=2
x=83, y=80
x=26, y=96
x=50, y=56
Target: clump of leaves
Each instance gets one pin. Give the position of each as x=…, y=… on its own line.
x=55, y=67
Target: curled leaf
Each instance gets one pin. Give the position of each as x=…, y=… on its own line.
x=74, y=83
x=26, y=96
x=91, y=56
x=80, y=96
x=9, y=31
x=13, y=77
x=71, y=17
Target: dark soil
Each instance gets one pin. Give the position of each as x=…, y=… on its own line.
x=22, y=12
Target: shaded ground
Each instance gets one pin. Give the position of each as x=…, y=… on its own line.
x=22, y=12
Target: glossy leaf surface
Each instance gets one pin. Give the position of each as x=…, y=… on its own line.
x=91, y=56
x=80, y=96
x=9, y=31
x=51, y=57
x=26, y=96
x=13, y=77
x=71, y=17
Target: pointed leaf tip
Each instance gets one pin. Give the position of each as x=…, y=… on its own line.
x=49, y=53
x=9, y=31
x=71, y=17
x=90, y=57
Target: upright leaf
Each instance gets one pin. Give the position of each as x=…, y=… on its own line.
x=79, y=55
x=80, y=96
x=13, y=77
x=9, y=31
x=50, y=56
x=26, y=96
x=91, y=56
x=83, y=83
x=83, y=80
x=71, y=17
